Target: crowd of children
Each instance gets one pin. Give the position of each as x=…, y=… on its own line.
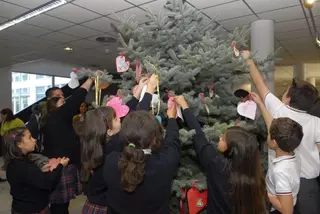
x=130, y=165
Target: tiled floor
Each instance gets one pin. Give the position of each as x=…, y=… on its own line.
x=5, y=198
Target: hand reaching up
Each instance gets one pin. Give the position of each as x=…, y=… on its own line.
x=245, y=54
x=64, y=161
x=172, y=110
x=181, y=102
x=138, y=88
x=255, y=97
x=152, y=83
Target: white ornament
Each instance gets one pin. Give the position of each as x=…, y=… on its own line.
x=247, y=109
x=74, y=82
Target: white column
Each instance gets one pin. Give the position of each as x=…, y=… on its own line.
x=312, y=80
x=300, y=71
x=262, y=44
x=6, y=91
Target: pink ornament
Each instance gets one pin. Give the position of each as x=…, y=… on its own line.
x=116, y=104
x=122, y=64
x=236, y=51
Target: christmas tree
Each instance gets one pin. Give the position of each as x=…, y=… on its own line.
x=192, y=56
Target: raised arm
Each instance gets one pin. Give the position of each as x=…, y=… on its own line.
x=71, y=107
x=147, y=98
x=133, y=103
x=171, y=144
x=206, y=152
x=256, y=76
x=266, y=116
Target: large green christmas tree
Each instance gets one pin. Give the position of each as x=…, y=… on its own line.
x=191, y=53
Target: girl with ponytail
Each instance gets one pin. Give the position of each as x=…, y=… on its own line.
x=139, y=178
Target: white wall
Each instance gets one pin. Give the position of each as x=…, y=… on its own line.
x=5, y=88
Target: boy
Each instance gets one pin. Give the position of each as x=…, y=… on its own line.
x=283, y=177
x=297, y=100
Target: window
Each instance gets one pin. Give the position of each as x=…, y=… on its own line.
x=61, y=81
x=30, y=88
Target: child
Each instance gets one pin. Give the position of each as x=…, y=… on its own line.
x=235, y=179
x=283, y=177
x=100, y=138
x=30, y=187
x=296, y=102
x=139, y=178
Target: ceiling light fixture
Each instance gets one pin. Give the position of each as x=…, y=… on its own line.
x=37, y=11
x=309, y=3
x=68, y=49
x=318, y=41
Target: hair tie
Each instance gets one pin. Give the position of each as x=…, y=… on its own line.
x=132, y=145
x=13, y=136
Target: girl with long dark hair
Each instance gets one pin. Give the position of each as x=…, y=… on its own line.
x=100, y=137
x=235, y=178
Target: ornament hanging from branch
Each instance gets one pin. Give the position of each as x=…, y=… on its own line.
x=138, y=71
x=235, y=50
x=120, y=109
x=204, y=103
x=122, y=64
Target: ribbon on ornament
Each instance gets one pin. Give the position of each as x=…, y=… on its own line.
x=158, y=91
x=138, y=70
x=203, y=103
x=97, y=90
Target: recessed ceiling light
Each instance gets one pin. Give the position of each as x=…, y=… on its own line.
x=103, y=39
x=309, y=3
x=37, y=11
x=68, y=49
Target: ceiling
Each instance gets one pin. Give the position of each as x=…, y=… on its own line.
x=78, y=24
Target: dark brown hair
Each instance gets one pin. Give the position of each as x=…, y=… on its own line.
x=303, y=95
x=248, y=188
x=8, y=113
x=50, y=91
x=140, y=130
x=11, y=140
x=287, y=133
x=96, y=124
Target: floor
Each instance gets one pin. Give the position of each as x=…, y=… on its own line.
x=5, y=198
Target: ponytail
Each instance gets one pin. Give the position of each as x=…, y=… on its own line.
x=132, y=167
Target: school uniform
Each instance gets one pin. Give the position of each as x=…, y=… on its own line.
x=96, y=202
x=153, y=194
x=214, y=164
x=30, y=187
x=308, y=154
x=283, y=177
x=60, y=140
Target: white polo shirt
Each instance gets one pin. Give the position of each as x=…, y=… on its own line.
x=283, y=177
x=307, y=152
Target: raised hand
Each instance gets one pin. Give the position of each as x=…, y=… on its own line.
x=152, y=83
x=181, y=102
x=172, y=110
x=245, y=54
x=64, y=161
x=256, y=98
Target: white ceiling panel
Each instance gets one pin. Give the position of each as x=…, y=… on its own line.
x=315, y=10
x=282, y=15
x=228, y=11
x=10, y=11
x=2, y=19
x=139, y=2
x=80, y=31
x=205, y=3
x=103, y=7
x=29, y=3
x=290, y=25
x=293, y=34
x=259, y=6
x=59, y=37
x=317, y=21
x=49, y=22
x=102, y=24
x=83, y=43
x=29, y=29
x=139, y=14
x=155, y=7
x=295, y=41
x=238, y=22
x=73, y=13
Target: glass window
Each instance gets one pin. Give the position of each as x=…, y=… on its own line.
x=27, y=89
x=61, y=81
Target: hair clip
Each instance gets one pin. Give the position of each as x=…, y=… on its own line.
x=13, y=136
x=132, y=145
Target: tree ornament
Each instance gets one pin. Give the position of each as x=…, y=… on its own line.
x=204, y=103
x=138, y=71
x=122, y=64
x=247, y=109
x=158, y=117
x=235, y=50
x=120, y=109
x=74, y=82
x=197, y=200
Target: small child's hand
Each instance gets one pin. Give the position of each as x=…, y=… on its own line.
x=255, y=97
x=172, y=110
x=245, y=54
x=142, y=82
x=181, y=102
x=152, y=83
x=64, y=161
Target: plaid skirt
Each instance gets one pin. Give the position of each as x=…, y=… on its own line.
x=89, y=208
x=45, y=211
x=68, y=187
